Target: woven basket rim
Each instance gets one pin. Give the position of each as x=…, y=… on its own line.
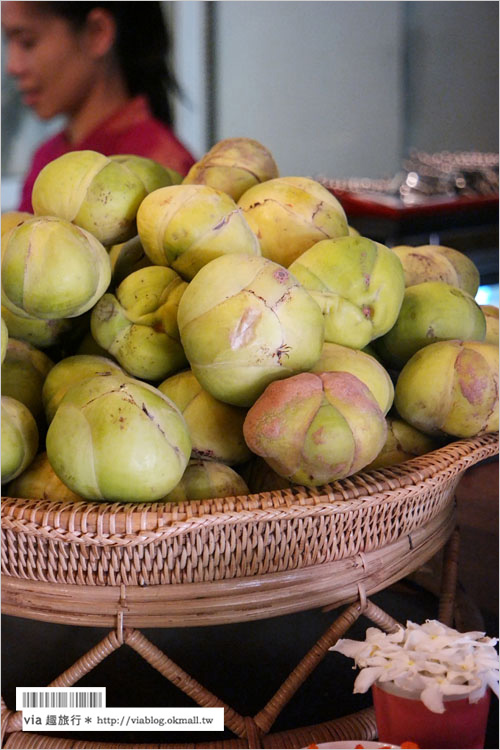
x=344, y=495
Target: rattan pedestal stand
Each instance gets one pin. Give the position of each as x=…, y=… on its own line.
x=275, y=553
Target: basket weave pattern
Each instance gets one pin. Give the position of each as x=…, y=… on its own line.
x=103, y=544
x=350, y=538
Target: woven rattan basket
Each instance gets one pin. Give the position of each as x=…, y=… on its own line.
x=229, y=560
x=234, y=558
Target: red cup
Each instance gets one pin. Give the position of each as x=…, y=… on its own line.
x=399, y=719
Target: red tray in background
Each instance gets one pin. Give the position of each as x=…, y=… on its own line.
x=392, y=207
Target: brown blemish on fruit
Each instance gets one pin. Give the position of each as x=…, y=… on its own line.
x=283, y=351
x=106, y=309
x=281, y=275
x=472, y=384
x=318, y=436
x=223, y=221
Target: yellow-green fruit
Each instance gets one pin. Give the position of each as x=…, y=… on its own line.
x=5, y=338
x=138, y=324
x=88, y=345
x=207, y=479
x=216, y=428
x=431, y=311
x=70, y=371
x=316, y=428
x=359, y=285
x=152, y=174
x=187, y=226
x=126, y=258
x=52, y=269
x=12, y=219
x=19, y=438
x=290, y=214
x=450, y=388
x=39, y=480
x=24, y=371
x=336, y=358
x=402, y=443
x=93, y=191
x=35, y=331
x=438, y=263
x=244, y=322
x=233, y=165
x=491, y=316
x=117, y=439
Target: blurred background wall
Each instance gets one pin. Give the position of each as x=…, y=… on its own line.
x=333, y=89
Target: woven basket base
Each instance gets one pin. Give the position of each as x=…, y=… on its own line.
x=237, y=600
x=411, y=516
x=252, y=731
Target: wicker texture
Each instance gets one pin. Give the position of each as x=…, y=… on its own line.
x=296, y=549
x=232, y=600
x=252, y=731
x=102, y=544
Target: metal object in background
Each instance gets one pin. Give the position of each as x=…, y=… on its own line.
x=425, y=175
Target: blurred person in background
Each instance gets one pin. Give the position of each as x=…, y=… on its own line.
x=104, y=66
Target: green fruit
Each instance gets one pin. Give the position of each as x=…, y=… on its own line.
x=12, y=219
x=5, y=337
x=233, y=165
x=187, y=226
x=152, y=174
x=359, y=285
x=126, y=258
x=244, y=322
x=491, y=316
x=314, y=429
x=431, y=311
x=52, y=269
x=114, y=438
x=93, y=191
x=290, y=214
x=89, y=346
x=70, y=371
x=207, y=479
x=35, y=331
x=216, y=428
x=402, y=443
x=138, y=324
x=39, y=480
x=24, y=371
x=335, y=358
x=19, y=438
x=438, y=263
x=450, y=388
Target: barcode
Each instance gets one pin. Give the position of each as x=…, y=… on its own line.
x=60, y=698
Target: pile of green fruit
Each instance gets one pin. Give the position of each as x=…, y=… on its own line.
x=169, y=339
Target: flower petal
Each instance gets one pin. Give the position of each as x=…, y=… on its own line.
x=432, y=698
x=366, y=678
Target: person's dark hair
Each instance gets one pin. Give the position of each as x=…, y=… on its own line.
x=142, y=47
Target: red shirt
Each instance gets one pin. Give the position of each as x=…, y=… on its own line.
x=131, y=130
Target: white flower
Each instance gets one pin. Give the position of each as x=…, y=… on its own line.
x=431, y=660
